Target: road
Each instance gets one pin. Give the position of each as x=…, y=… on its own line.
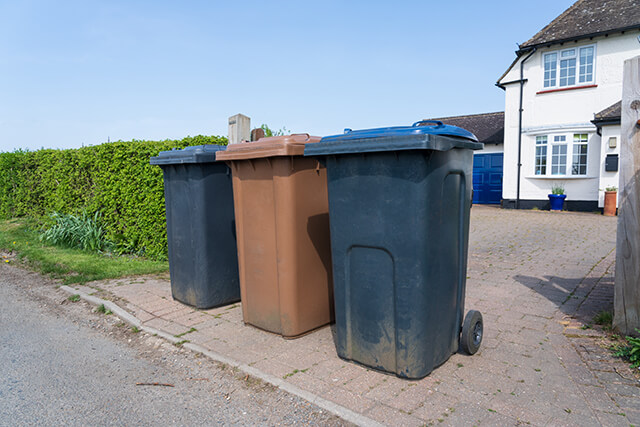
x=63, y=364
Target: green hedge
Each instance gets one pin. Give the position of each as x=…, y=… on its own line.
x=115, y=179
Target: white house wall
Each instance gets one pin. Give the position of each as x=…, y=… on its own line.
x=561, y=111
x=608, y=179
x=491, y=148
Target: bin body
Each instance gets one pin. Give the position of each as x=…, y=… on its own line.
x=282, y=222
x=399, y=212
x=198, y=193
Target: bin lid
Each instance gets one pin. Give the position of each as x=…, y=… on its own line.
x=286, y=145
x=423, y=135
x=193, y=154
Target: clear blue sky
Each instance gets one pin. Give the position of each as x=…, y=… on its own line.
x=79, y=72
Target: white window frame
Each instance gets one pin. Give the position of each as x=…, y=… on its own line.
x=558, y=61
x=566, y=139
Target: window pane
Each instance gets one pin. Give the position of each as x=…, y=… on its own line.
x=541, y=160
x=550, y=66
x=568, y=53
x=541, y=139
x=559, y=138
x=586, y=64
x=559, y=160
x=579, y=161
x=567, y=72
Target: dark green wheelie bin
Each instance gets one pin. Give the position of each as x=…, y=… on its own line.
x=203, y=260
x=399, y=203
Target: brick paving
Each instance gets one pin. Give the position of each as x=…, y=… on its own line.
x=538, y=278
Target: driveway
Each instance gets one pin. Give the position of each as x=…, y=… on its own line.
x=537, y=277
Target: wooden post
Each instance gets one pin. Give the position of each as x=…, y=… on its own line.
x=239, y=128
x=626, y=316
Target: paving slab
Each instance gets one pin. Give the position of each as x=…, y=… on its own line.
x=539, y=278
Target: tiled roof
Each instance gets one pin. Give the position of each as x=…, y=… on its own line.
x=609, y=114
x=587, y=18
x=488, y=127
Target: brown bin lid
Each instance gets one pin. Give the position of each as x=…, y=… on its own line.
x=287, y=145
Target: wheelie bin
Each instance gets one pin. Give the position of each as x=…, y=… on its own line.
x=399, y=202
x=282, y=222
x=203, y=264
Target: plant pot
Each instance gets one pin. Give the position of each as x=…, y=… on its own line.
x=557, y=201
x=610, y=198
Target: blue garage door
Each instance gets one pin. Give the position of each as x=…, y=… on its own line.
x=487, y=178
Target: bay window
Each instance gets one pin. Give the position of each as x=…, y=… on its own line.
x=557, y=150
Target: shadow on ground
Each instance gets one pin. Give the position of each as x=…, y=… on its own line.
x=580, y=298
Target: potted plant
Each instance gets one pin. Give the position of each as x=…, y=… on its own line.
x=610, y=198
x=556, y=198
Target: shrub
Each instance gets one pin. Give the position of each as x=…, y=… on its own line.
x=115, y=179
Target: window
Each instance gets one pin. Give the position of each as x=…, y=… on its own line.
x=579, y=164
x=541, y=155
x=559, y=154
x=569, y=67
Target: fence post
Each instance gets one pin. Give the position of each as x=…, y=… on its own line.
x=626, y=316
x=239, y=128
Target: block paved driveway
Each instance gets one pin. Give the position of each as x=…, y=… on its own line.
x=537, y=277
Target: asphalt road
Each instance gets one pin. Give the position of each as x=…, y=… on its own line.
x=63, y=364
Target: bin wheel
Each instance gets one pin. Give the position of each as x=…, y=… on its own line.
x=471, y=336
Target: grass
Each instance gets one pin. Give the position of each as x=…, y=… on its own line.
x=69, y=265
x=604, y=319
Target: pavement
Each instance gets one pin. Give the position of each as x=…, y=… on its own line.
x=538, y=278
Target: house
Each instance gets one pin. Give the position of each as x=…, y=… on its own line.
x=562, y=94
x=487, y=163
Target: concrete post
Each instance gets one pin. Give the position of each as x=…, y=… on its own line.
x=239, y=128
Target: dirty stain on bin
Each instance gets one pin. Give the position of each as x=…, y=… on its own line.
x=399, y=217
x=282, y=222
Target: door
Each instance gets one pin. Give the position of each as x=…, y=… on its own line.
x=487, y=178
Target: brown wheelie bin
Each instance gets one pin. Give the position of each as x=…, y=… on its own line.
x=282, y=227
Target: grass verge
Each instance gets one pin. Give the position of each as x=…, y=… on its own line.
x=69, y=265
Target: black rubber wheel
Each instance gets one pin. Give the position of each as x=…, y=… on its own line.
x=472, y=329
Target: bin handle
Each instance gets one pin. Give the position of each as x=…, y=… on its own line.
x=436, y=122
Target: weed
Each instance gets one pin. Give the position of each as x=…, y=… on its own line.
x=185, y=333
x=101, y=309
x=460, y=365
x=135, y=329
x=181, y=343
x=290, y=374
x=74, y=298
x=630, y=352
x=587, y=326
x=604, y=319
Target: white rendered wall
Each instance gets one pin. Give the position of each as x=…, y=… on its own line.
x=491, y=148
x=608, y=179
x=561, y=112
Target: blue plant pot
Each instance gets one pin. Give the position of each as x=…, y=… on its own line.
x=557, y=201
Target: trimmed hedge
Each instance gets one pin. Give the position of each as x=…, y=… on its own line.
x=115, y=179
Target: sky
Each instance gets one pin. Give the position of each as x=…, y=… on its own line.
x=77, y=73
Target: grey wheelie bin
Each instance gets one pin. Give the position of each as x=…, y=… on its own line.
x=203, y=262
x=399, y=203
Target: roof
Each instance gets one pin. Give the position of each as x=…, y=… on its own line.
x=487, y=127
x=610, y=115
x=588, y=18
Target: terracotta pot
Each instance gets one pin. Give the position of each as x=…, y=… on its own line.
x=610, y=203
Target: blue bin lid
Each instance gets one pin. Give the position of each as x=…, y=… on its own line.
x=193, y=154
x=423, y=135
